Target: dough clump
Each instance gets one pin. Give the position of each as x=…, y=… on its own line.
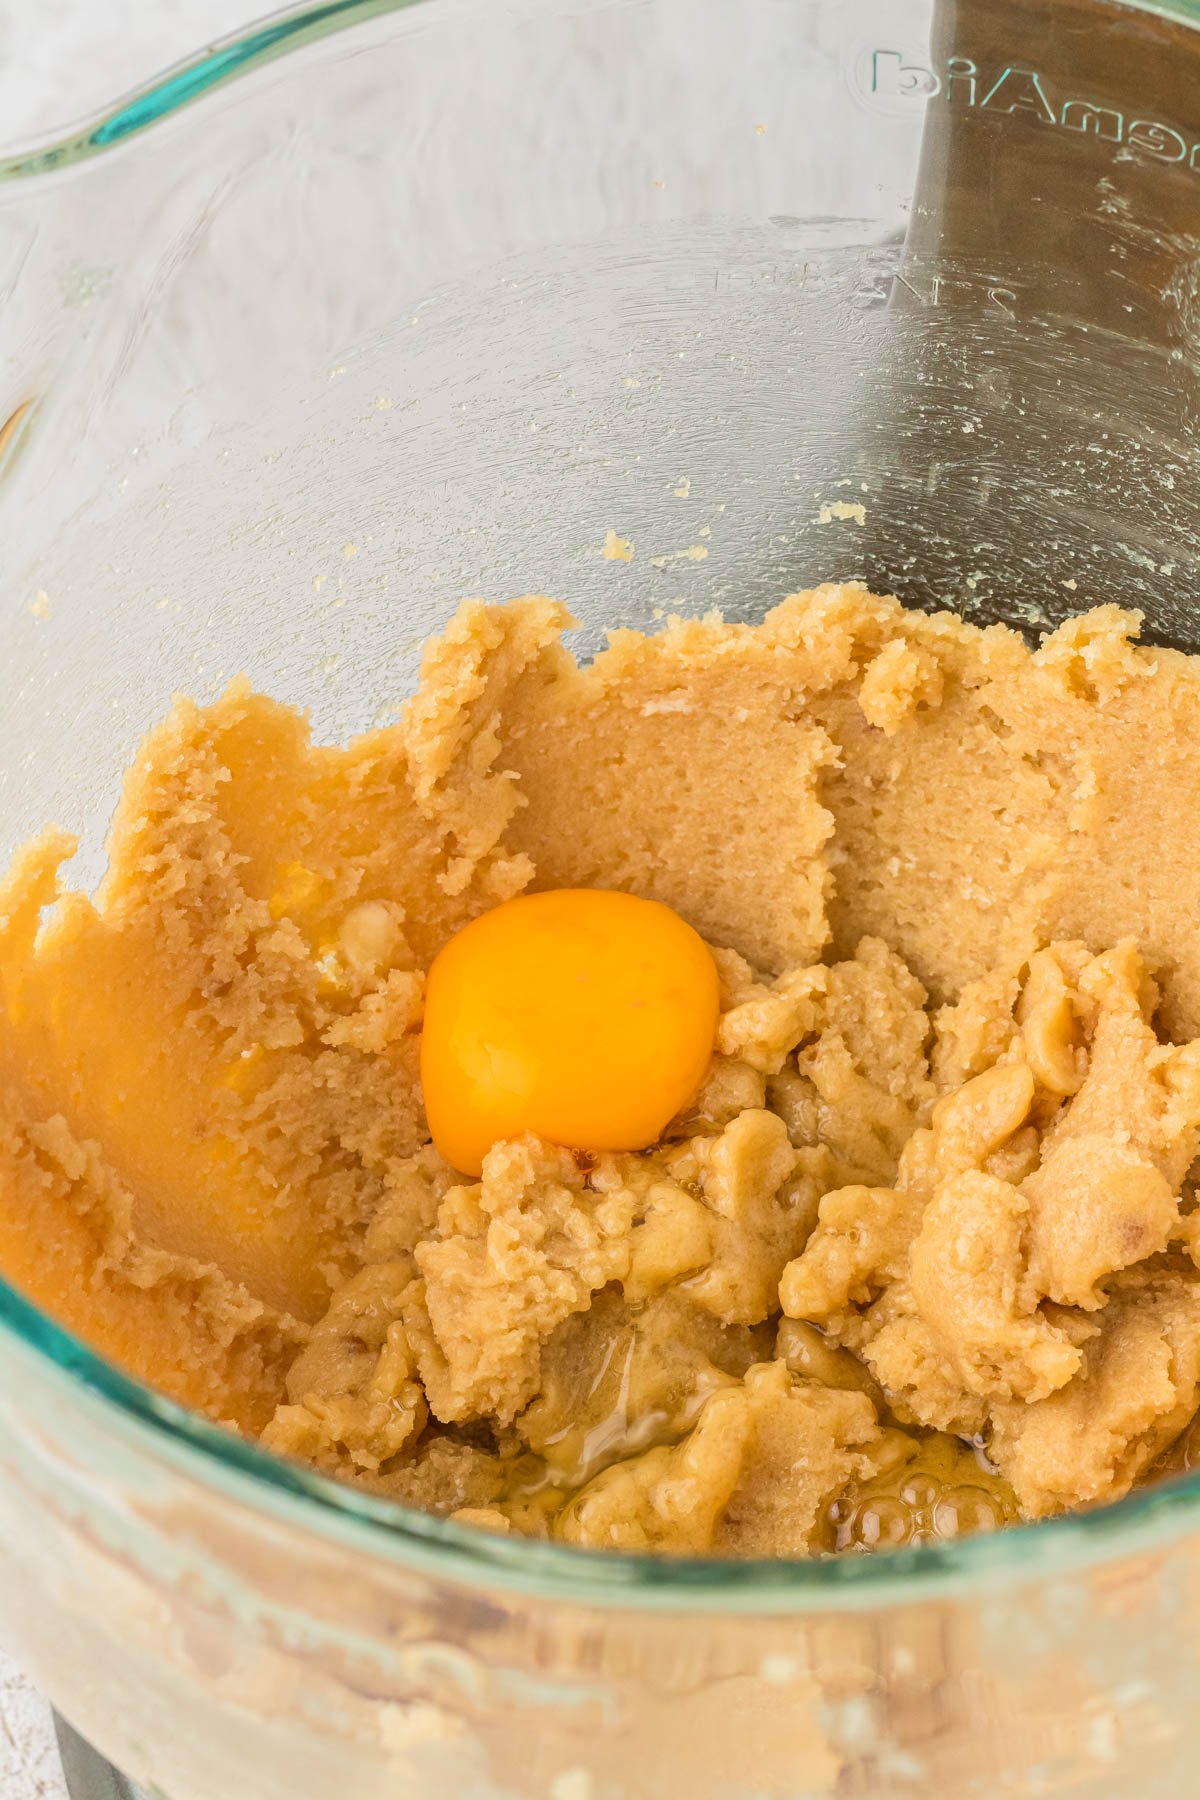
x=922, y=1256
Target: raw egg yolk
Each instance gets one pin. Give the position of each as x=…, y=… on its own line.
x=583, y=1016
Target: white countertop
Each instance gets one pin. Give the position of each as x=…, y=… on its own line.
x=29, y=1767
x=59, y=60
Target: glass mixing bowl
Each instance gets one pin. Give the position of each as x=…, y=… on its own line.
x=424, y=307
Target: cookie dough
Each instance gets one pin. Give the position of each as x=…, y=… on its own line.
x=921, y=1256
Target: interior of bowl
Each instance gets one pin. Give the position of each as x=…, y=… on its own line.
x=431, y=306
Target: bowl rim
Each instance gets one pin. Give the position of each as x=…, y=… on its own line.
x=252, y=47
x=375, y=1526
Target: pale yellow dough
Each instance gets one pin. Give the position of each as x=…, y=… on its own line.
x=921, y=1257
